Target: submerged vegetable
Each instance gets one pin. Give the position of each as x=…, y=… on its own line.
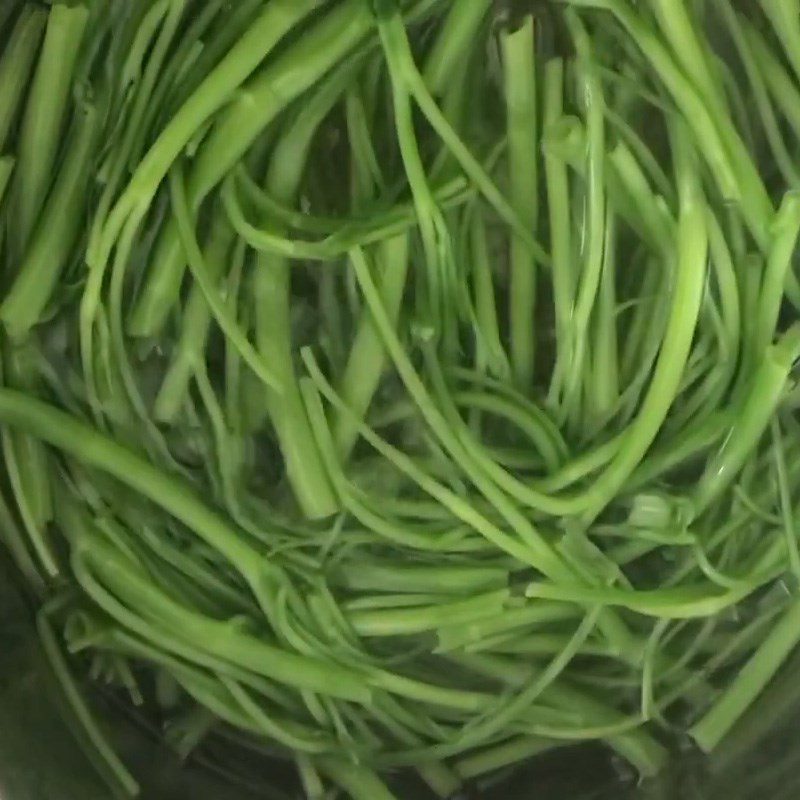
x=403, y=385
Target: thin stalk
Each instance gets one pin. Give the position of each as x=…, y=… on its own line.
x=195, y=327
x=605, y=367
x=558, y=203
x=785, y=231
x=594, y=220
x=212, y=295
x=757, y=407
x=272, y=292
x=46, y=108
x=256, y=105
x=750, y=681
x=367, y=359
x=55, y=233
x=766, y=112
x=692, y=250
x=520, y=95
x=491, y=353
x=783, y=16
x=16, y=63
x=461, y=25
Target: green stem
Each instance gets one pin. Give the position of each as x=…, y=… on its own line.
x=272, y=295
x=79, y=707
x=558, y=204
x=27, y=462
x=213, y=297
x=403, y=622
x=681, y=33
x=592, y=256
x=514, y=751
x=520, y=91
x=491, y=352
x=220, y=639
x=604, y=387
x=45, y=111
x=783, y=16
x=690, y=274
x=255, y=106
x=16, y=62
x=195, y=327
x=367, y=360
x=780, y=83
x=360, y=783
x=785, y=231
x=766, y=390
x=55, y=233
x=717, y=140
x=750, y=681
x=761, y=96
x=460, y=27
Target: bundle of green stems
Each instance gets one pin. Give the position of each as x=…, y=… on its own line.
x=405, y=385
